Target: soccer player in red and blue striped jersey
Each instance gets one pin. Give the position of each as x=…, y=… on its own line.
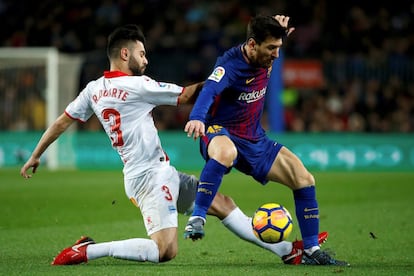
x=226, y=117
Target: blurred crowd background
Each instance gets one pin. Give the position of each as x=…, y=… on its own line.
x=366, y=50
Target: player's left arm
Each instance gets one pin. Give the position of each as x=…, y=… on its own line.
x=190, y=93
x=48, y=137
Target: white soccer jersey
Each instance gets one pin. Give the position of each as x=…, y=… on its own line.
x=123, y=105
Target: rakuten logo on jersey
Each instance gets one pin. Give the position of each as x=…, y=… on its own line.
x=253, y=96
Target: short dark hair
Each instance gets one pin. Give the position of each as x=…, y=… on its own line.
x=261, y=27
x=121, y=36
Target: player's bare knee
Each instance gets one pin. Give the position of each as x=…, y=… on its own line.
x=225, y=156
x=305, y=180
x=167, y=256
x=168, y=253
x=222, y=149
x=167, y=243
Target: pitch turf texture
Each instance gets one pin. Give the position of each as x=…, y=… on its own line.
x=369, y=217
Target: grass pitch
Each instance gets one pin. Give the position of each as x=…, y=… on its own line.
x=369, y=217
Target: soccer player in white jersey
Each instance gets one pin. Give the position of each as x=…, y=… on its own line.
x=122, y=100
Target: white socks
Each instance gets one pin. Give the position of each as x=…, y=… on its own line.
x=240, y=224
x=140, y=250
x=143, y=250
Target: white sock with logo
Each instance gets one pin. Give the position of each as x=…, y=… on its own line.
x=241, y=225
x=140, y=250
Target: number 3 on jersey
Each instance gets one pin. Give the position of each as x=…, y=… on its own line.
x=114, y=118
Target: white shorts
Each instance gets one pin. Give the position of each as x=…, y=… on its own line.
x=156, y=194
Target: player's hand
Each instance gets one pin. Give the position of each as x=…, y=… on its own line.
x=284, y=22
x=31, y=163
x=194, y=128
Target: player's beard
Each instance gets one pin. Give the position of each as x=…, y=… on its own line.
x=135, y=67
x=269, y=63
x=265, y=62
x=262, y=61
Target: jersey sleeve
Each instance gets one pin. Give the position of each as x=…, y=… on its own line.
x=160, y=93
x=80, y=108
x=216, y=83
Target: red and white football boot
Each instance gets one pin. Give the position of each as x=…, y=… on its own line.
x=74, y=254
x=295, y=256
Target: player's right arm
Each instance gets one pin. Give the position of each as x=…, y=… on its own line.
x=48, y=137
x=284, y=22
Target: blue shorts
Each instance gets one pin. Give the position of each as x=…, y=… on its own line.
x=254, y=158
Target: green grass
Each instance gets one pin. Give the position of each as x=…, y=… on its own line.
x=41, y=216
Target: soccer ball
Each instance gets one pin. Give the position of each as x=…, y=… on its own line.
x=272, y=223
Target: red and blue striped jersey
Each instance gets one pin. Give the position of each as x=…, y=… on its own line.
x=233, y=96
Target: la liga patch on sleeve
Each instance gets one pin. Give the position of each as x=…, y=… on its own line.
x=217, y=74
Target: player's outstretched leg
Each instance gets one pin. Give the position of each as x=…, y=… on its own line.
x=135, y=249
